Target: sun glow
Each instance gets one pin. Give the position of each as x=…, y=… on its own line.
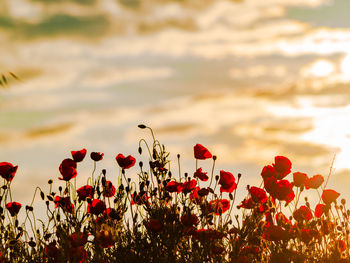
x=345, y=66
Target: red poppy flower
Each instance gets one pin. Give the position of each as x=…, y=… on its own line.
x=275, y=233
x=314, y=182
x=78, y=156
x=189, y=220
x=64, y=203
x=247, y=203
x=96, y=156
x=203, y=192
x=77, y=254
x=68, y=169
x=78, y=239
x=7, y=171
x=299, y=179
x=188, y=186
x=85, y=191
x=139, y=198
x=96, y=207
x=201, y=175
x=109, y=189
x=51, y=252
x=200, y=152
x=109, y=213
x=270, y=184
x=125, y=162
x=227, y=182
x=329, y=196
x=283, y=191
x=194, y=197
x=258, y=194
x=302, y=213
x=154, y=225
x=219, y=206
x=319, y=210
x=173, y=187
x=282, y=166
x=13, y=208
x=268, y=171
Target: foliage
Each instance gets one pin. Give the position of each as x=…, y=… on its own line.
x=168, y=218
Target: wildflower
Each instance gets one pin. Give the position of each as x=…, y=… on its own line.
x=219, y=206
x=247, y=203
x=64, y=203
x=68, y=169
x=154, y=225
x=125, y=162
x=109, y=189
x=283, y=190
x=299, y=179
x=188, y=186
x=85, y=191
x=13, y=208
x=320, y=210
x=275, y=233
x=268, y=171
x=270, y=184
x=200, y=152
x=314, y=182
x=78, y=156
x=7, y=171
x=258, y=194
x=96, y=156
x=96, y=207
x=173, y=187
x=302, y=213
x=282, y=166
x=201, y=175
x=227, y=182
x=329, y=196
x=78, y=239
x=109, y=213
x=203, y=192
x=51, y=252
x=189, y=220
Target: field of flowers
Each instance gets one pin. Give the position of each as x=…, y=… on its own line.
x=166, y=217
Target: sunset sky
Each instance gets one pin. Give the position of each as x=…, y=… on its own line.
x=249, y=79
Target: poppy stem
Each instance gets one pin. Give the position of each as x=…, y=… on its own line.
x=212, y=172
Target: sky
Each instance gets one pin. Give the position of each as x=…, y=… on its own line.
x=249, y=79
